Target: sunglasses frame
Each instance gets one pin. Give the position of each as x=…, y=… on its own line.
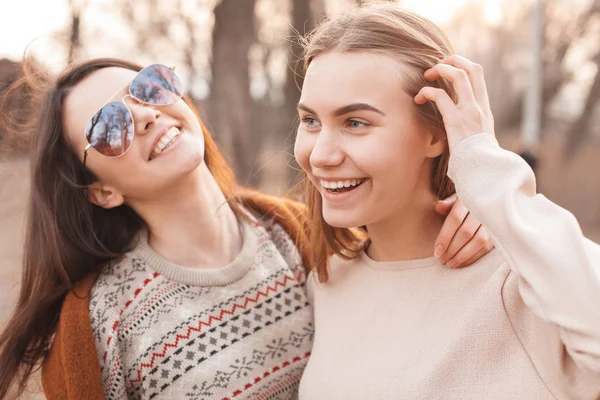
x=129, y=94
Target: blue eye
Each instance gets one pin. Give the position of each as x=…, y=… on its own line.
x=356, y=124
x=310, y=122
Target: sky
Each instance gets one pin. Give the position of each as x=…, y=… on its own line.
x=23, y=21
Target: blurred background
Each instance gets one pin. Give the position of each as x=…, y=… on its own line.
x=238, y=59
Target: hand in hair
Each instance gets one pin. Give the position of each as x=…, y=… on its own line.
x=471, y=114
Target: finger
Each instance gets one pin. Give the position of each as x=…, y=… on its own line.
x=457, y=262
x=480, y=245
x=441, y=99
x=476, y=77
x=444, y=207
x=453, y=221
x=459, y=79
x=478, y=255
x=467, y=231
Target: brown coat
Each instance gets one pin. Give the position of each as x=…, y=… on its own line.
x=72, y=371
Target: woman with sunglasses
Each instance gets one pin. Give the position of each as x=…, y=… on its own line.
x=154, y=275
x=392, y=321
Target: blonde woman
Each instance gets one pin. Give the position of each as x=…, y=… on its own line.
x=386, y=107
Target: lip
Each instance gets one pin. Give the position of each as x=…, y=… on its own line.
x=337, y=178
x=339, y=197
x=160, y=135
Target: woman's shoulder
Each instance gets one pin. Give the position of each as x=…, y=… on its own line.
x=119, y=273
x=118, y=283
x=542, y=342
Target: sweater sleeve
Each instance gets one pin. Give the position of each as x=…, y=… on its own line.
x=558, y=268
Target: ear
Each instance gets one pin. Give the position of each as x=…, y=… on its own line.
x=436, y=144
x=104, y=196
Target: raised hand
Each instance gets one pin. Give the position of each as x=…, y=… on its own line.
x=471, y=114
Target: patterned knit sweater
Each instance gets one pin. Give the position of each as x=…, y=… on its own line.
x=242, y=331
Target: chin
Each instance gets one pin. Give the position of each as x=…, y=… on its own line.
x=190, y=157
x=342, y=218
x=190, y=162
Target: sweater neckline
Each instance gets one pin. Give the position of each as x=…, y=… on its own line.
x=398, y=265
x=218, y=276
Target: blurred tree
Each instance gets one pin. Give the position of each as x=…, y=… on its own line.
x=363, y=2
x=76, y=8
x=501, y=48
x=580, y=130
x=230, y=104
x=305, y=16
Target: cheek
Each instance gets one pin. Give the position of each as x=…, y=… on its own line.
x=111, y=170
x=390, y=157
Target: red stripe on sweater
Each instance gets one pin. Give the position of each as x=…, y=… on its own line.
x=267, y=373
x=198, y=328
x=146, y=305
x=115, y=325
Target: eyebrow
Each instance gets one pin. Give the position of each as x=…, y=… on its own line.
x=345, y=109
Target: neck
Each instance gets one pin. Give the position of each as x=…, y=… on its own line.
x=407, y=235
x=192, y=224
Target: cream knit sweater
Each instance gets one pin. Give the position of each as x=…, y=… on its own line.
x=240, y=331
x=522, y=323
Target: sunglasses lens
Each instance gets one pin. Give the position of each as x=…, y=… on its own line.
x=110, y=131
x=157, y=84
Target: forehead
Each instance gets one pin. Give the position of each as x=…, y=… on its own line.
x=89, y=95
x=99, y=87
x=346, y=77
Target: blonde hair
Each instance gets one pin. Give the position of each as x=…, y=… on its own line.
x=419, y=45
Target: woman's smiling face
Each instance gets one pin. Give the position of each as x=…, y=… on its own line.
x=359, y=130
x=140, y=172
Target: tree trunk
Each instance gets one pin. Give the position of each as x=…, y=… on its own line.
x=230, y=110
x=555, y=75
x=305, y=15
x=75, y=33
x=581, y=127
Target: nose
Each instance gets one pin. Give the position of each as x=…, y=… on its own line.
x=144, y=116
x=327, y=151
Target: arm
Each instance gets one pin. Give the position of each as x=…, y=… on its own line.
x=558, y=268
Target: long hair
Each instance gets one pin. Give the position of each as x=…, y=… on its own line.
x=67, y=237
x=419, y=45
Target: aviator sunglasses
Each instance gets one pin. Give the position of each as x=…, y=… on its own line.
x=111, y=129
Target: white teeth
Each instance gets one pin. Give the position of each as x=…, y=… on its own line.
x=341, y=184
x=165, y=141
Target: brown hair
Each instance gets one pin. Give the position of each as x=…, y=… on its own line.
x=67, y=237
x=419, y=45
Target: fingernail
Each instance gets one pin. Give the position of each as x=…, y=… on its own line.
x=439, y=250
x=451, y=263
